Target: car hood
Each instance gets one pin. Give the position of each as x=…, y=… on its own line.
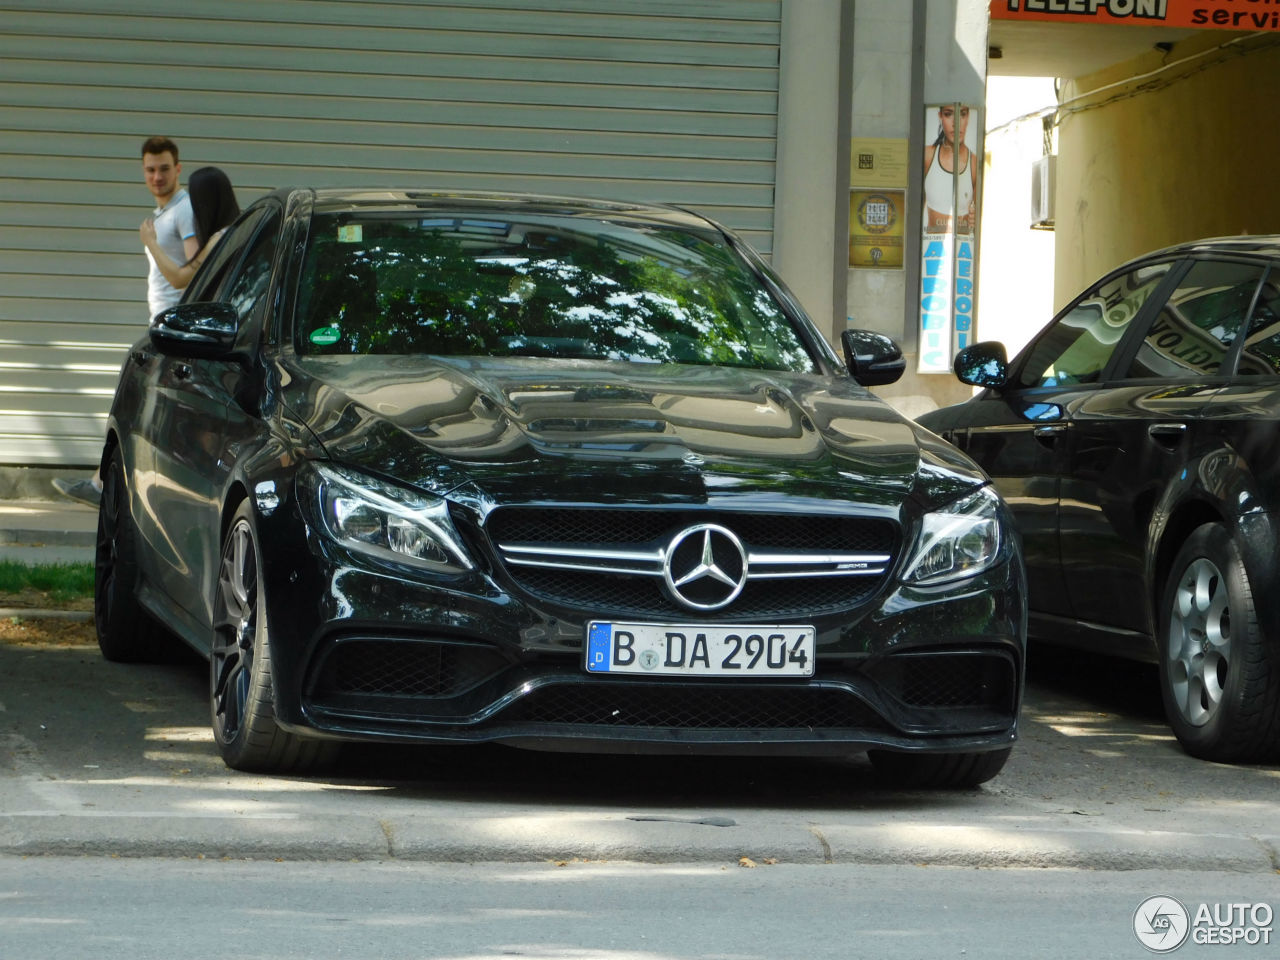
x=539, y=430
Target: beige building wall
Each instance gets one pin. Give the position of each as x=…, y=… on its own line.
x=808, y=228
x=907, y=55
x=1167, y=148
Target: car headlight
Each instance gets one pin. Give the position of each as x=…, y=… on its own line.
x=387, y=521
x=958, y=541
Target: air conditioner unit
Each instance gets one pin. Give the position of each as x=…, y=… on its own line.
x=1043, y=184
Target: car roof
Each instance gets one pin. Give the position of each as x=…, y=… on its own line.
x=1262, y=245
x=418, y=201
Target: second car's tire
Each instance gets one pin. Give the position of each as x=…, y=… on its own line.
x=1219, y=677
x=126, y=632
x=241, y=694
x=938, y=771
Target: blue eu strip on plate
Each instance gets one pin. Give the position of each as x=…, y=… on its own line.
x=598, y=647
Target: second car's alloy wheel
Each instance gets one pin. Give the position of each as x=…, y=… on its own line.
x=1219, y=679
x=1199, y=641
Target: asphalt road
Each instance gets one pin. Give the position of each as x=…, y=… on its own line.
x=192, y=910
x=101, y=758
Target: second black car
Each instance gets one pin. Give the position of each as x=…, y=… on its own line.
x=1135, y=440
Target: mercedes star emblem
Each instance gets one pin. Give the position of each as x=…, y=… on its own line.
x=705, y=567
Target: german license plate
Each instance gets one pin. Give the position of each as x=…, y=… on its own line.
x=740, y=650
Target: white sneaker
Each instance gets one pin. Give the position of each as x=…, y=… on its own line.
x=81, y=491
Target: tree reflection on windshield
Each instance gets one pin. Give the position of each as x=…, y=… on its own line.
x=548, y=286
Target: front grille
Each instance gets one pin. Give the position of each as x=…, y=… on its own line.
x=404, y=668
x=694, y=708
x=639, y=527
x=644, y=597
x=611, y=561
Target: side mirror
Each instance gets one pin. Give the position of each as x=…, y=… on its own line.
x=872, y=358
x=984, y=364
x=205, y=331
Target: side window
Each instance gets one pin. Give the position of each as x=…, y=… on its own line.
x=215, y=271
x=1261, y=354
x=247, y=290
x=1196, y=326
x=1077, y=347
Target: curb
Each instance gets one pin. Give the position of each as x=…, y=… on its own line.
x=19, y=537
x=615, y=839
x=37, y=613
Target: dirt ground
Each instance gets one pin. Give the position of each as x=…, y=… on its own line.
x=16, y=628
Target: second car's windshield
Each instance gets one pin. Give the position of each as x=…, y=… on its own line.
x=535, y=285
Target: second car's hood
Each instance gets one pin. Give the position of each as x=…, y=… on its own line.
x=578, y=431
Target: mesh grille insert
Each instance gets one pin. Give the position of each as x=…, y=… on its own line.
x=405, y=668
x=778, y=531
x=946, y=680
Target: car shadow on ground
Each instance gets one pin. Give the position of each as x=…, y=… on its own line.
x=1108, y=684
x=495, y=773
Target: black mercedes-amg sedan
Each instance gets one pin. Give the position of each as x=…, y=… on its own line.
x=1135, y=441
x=439, y=467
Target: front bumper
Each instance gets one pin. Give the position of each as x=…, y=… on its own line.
x=372, y=653
x=386, y=659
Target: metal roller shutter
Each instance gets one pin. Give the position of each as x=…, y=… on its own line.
x=666, y=101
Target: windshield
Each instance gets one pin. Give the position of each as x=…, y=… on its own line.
x=535, y=285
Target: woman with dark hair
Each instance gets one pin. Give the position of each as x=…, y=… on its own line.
x=214, y=204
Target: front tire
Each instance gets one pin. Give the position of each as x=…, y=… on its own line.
x=938, y=771
x=241, y=695
x=1219, y=680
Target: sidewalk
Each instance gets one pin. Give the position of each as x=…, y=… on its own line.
x=47, y=531
x=100, y=758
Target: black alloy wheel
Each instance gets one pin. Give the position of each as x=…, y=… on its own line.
x=240, y=684
x=233, y=633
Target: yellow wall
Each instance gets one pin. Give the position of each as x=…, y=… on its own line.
x=1195, y=154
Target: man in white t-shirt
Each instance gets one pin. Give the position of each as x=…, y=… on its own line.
x=176, y=231
x=174, y=222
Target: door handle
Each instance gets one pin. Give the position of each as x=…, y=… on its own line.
x=1048, y=432
x=1167, y=434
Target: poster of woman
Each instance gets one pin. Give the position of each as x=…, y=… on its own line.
x=946, y=188
x=952, y=177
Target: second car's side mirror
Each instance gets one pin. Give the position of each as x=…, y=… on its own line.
x=984, y=364
x=872, y=358
x=197, y=330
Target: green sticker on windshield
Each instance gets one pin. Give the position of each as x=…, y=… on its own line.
x=326, y=336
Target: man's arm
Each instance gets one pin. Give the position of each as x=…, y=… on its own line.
x=184, y=221
x=178, y=274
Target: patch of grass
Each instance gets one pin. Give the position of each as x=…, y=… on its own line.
x=61, y=581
